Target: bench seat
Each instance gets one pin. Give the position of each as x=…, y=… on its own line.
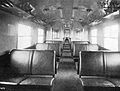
x=115, y=81
x=100, y=70
x=38, y=81
x=28, y=70
x=96, y=81
x=12, y=80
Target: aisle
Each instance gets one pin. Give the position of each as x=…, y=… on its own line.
x=66, y=78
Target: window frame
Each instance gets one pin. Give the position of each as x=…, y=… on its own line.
x=111, y=36
x=41, y=35
x=25, y=35
x=93, y=36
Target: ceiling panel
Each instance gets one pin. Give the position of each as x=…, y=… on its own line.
x=65, y=11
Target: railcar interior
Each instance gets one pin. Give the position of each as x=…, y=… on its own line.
x=59, y=45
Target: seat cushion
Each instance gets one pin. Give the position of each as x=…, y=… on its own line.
x=115, y=81
x=47, y=81
x=96, y=82
x=11, y=80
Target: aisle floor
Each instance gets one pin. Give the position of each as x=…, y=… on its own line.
x=67, y=78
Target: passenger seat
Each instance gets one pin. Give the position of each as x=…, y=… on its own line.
x=29, y=70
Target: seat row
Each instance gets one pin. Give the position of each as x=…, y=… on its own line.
x=49, y=46
x=74, y=42
x=52, y=41
x=31, y=70
x=83, y=47
x=99, y=71
x=76, y=48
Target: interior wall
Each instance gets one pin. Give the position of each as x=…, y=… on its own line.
x=83, y=36
x=34, y=31
x=8, y=31
x=34, y=35
x=100, y=36
x=100, y=32
x=49, y=34
x=119, y=35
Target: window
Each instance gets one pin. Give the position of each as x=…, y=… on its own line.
x=77, y=34
x=40, y=35
x=24, y=36
x=67, y=33
x=93, y=36
x=111, y=37
x=56, y=34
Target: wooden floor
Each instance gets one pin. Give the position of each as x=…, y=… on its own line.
x=66, y=78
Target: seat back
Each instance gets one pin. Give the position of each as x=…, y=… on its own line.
x=84, y=47
x=80, y=42
x=78, y=48
x=42, y=46
x=91, y=63
x=112, y=61
x=92, y=47
x=49, y=46
x=20, y=61
x=53, y=41
x=55, y=47
x=43, y=62
x=57, y=42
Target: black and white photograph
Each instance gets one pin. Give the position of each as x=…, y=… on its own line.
x=59, y=45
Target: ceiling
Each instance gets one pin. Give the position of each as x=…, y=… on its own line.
x=67, y=13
